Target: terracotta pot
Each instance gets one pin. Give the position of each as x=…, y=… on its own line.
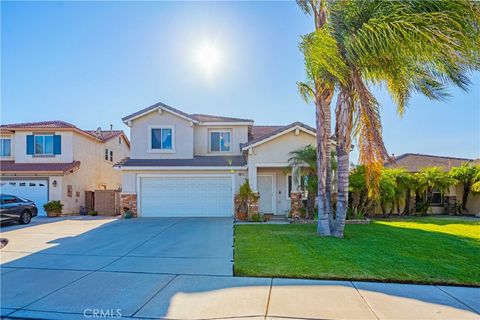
x=52, y=214
x=242, y=216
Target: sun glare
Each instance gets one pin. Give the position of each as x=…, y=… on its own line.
x=208, y=58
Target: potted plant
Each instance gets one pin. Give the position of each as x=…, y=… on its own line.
x=53, y=208
x=244, y=196
x=127, y=214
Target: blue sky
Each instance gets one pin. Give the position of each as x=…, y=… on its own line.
x=91, y=63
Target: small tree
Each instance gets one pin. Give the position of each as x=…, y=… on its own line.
x=430, y=179
x=465, y=174
x=244, y=196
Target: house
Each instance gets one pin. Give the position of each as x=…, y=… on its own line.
x=193, y=164
x=55, y=160
x=414, y=162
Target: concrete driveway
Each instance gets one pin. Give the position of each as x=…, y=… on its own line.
x=84, y=268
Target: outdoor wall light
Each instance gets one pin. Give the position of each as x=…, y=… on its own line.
x=54, y=183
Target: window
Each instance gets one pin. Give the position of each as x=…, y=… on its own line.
x=106, y=154
x=220, y=141
x=8, y=199
x=5, y=147
x=161, y=138
x=111, y=156
x=437, y=198
x=119, y=140
x=303, y=184
x=44, y=144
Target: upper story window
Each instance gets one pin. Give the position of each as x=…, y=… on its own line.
x=5, y=147
x=44, y=144
x=220, y=141
x=108, y=155
x=161, y=138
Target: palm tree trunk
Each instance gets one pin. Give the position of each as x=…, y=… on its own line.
x=323, y=227
x=343, y=132
x=310, y=204
x=408, y=195
x=466, y=191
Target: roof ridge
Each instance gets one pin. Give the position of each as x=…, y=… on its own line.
x=429, y=155
x=8, y=125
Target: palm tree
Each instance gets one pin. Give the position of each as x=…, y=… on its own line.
x=465, y=174
x=430, y=179
x=409, y=46
x=306, y=160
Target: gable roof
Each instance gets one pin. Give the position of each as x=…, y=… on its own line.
x=104, y=136
x=196, y=117
x=156, y=106
x=258, y=131
x=275, y=131
x=413, y=162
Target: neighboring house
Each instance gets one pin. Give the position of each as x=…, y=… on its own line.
x=54, y=160
x=192, y=164
x=414, y=162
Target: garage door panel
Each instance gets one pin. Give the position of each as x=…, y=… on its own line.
x=34, y=190
x=186, y=196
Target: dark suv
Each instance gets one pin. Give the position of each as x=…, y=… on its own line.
x=14, y=208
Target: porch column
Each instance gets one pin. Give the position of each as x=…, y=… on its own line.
x=296, y=179
x=252, y=176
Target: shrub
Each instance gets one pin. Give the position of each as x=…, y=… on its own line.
x=92, y=213
x=256, y=217
x=54, y=206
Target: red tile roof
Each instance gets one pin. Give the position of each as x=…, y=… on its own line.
x=55, y=124
x=413, y=162
x=105, y=135
x=10, y=166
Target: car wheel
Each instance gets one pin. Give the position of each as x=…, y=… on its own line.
x=25, y=218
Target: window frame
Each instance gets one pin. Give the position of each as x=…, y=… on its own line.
x=160, y=150
x=43, y=135
x=9, y=138
x=106, y=154
x=302, y=189
x=226, y=130
x=442, y=199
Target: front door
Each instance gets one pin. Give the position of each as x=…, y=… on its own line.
x=265, y=185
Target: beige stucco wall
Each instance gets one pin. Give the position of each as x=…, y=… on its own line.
x=20, y=146
x=239, y=134
x=182, y=137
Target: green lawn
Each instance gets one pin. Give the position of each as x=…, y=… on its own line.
x=419, y=250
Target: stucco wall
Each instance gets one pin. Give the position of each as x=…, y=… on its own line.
x=239, y=134
x=182, y=137
x=20, y=146
x=278, y=150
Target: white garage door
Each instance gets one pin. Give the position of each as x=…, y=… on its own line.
x=182, y=196
x=34, y=190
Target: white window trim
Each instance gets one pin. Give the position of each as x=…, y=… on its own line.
x=286, y=186
x=150, y=150
x=35, y=144
x=11, y=147
x=230, y=131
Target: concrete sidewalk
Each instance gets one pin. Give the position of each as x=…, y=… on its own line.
x=77, y=294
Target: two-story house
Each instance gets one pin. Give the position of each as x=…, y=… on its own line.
x=55, y=160
x=192, y=164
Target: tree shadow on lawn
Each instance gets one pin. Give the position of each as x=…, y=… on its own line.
x=374, y=252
